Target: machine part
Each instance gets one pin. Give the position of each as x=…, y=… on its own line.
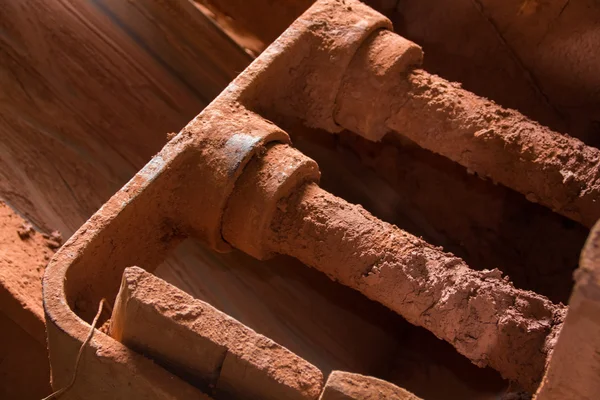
x=266, y=180
x=557, y=171
x=132, y=227
x=481, y=314
x=195, y=185
x=574, y=369
x=181, y=192
x=383, y=58
x=325, y=39
x=224, y=140
x=347, y=386
x=206, y=346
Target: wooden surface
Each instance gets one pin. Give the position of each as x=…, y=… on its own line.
x=535, y=56
x=90, y=90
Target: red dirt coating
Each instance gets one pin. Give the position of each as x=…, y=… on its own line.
x=487, y=225
x=187, y=335
x=346, y=386
x=127, y=228
x=534, y=56
x=479, y=312
x=557, y=171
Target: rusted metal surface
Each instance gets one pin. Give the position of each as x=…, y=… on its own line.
x=500, y=144
x=197, y=185
x=574, y=369
x=181, y=192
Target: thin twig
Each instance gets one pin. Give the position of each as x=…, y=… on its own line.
x=79, y=354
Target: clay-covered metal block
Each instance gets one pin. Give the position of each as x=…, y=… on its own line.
x=197, y=187
x=348, y=386
x=204, y=345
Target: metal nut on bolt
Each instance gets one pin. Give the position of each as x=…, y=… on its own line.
x=268, y=178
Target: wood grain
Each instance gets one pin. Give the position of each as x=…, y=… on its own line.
x=90, y=90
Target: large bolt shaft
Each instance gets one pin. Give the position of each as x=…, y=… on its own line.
x=483, y=315
x=276, y=207
x=557, y=171
x=382, y=92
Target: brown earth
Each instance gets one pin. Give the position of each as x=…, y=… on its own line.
x=74, y=131
x=205, y=345
x=479, y=312
x=24, y=253
x=531, y=55
x=347, y=386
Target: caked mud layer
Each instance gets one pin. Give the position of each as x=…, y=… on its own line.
x=24, y=254
x=383, y=91
x=206, y=346
x=479, y=312
x=487, y=225
x=347, y=386
x=68, y=133
x=557, y=171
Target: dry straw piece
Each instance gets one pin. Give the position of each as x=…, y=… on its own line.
x=59, y=392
